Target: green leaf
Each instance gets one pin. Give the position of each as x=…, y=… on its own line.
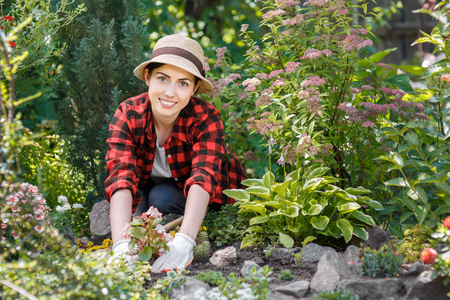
x=320, y=223
x=397, y=159
x=413, y=69
x=274, y=204
x=137, y=222
x=334, y=231
x=397, y=182
x=412, y=138
x=255, y=229
x=405, y=216
x=280, y=188
x=259, y=220
x=362, y=217
x=237, y=194
x=137, y=232
x=360, y=232
x=252, y=207
x=443, y=209
x=268, y=180
x=401, y=81
x=259, y=191
x=308, y=240
x=346, y=228
x=286, y=240
x=357, y=191
x=348, y=207
x=315, y=209
x=377, y=57
x=145, y=254
x=253, y=182
x=372, y=203
x=417, y=193
x=247, y=241
x=291, y=211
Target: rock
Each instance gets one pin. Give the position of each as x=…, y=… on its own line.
x=424, y=288
x=71, y=235
x=313, y=252
x=297, y=289
x=374, y=289
x=247, y=265
x=413, y=269
x=191, y=289
x=351, y=257
x=377, y=238
x=276, y=296
x=224, y=257
x=331, y=269
x=99, y=222
x=283, y=256
x=84, y=241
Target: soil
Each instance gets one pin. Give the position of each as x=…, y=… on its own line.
x=304, y=272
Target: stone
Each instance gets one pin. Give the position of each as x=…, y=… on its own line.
x=412, y=269
x=374, y=289
x=224, y=257
x=276, y=296
x=313, y=252
x=424, y=288
x=247, y=266
x=296, y=289
x=71, y=235
x=99, y=222
x=377, y=238
x=351, y=257
x=331, y=269
x=283, y=256
x=191, y=289
x=84, y=241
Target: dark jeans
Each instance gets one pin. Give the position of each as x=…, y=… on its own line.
x=166, y=196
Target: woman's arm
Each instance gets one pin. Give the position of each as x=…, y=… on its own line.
x=120, y=213
x=195, y=211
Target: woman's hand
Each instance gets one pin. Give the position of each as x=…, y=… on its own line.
x=178, y=257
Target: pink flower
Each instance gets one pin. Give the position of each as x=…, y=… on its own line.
x=278, y=82
x=292, y=66
x=275, y=73
x=244, y=27
x=153, y=213
x=24, y=186
x=15, y=209
x=252, y=81
x=368, y=124
x=313, y=80
x=250, y=88
x=342, y=12
x=38, y=228
x=273, y=13
x=312, y=53
x=242, y=96
x=32, y=189
x=445, y=77
x=206, y=67
x=313, y=150
x=15, y=235
x=250, y=156
x=4, y=226
x=281, y=160
x=225, y=106
x=366, y=87
x=294, y=21
x=327, y=52
x=20, y=194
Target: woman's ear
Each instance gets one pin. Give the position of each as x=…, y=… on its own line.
x=199, y=83
x=146, y=76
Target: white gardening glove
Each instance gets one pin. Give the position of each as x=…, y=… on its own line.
x=179, y=255
x=120, y=250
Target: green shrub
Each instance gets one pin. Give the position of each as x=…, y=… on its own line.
x=212, y=278
x=285, y=274
x=224, y=226
x=416, y=238
x=203, y=247
x=384, y=262
x=335, y=295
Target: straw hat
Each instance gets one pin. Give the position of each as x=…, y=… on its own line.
x=179, y=51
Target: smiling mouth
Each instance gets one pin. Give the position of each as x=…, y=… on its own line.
x=167, y=104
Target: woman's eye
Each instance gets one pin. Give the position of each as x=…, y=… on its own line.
x=184, y=84
x=162, y=79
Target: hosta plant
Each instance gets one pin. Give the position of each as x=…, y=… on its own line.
x=307, y=204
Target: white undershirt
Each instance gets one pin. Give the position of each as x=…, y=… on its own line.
x=161, y=169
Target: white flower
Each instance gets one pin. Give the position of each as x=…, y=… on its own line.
x=59, y=208
x=67, y=206
x=77, y=206
x=62, y=199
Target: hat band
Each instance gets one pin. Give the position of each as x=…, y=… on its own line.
x=182, y=53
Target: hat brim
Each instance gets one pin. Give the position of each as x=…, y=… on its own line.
x=179, y=62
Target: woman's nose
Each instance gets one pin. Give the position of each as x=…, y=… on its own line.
x=170, y=90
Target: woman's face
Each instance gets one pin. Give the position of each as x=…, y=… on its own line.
x=169, y=90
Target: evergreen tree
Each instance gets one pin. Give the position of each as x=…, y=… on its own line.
x=105, y=44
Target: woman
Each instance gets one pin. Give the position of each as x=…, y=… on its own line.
x=166, y=149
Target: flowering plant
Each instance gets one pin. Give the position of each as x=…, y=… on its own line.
x=24, y=216
x=441, y=261
x=148, y=237
x=65, y=214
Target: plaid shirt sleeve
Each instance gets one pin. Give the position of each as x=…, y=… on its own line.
x=208, y=151
x=120, y=156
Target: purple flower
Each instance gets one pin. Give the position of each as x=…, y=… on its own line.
x=368, y=124
x=313, y=150
x=292, y=66
x=225, y=106
x=244, y=27
x=273, y=13
x=313, y=80
x=281, y=160
x=312, y=53
x=275, y=73
x=294, y=21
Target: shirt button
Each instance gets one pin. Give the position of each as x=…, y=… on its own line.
x=176, y=179
x=169, y=156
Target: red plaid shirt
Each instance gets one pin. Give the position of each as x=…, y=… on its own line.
x=195, y=150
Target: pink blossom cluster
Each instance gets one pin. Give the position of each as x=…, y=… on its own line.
x=24, y=205
x=313, y=150
x=273, y=13
x=389, y=91
x=313, y=80
x=352, y=42
x=287, y=32
x=287, y=3
x=401, y=104
x=342, y=12
x=445, y=77
x=244, y=27
x=265, y=97
x=318, y=3
x=220, y=53
x=278, y=82
x=206, y=67
x=242, y=96
x=262, y=125
x=292, y=66
x=220, y=84
x=312, y=98
x=339, y=6
x=251, y=81
x=275, y=73
x=290, y=153
x=312, y=53
x=366, y=87
x=357, y=31
x=262, y=76
x=298, y=19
